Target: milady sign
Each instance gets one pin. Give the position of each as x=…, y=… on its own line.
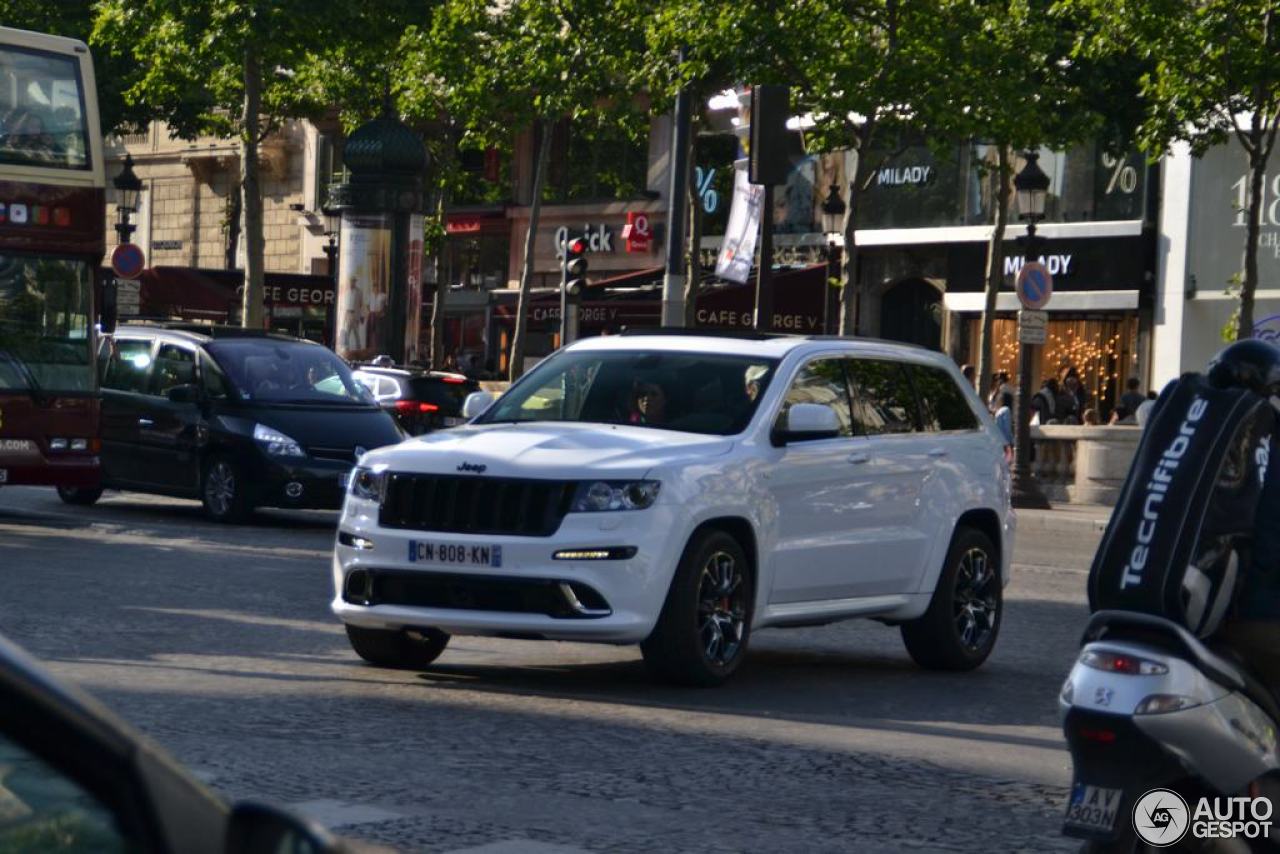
x=1059, y=265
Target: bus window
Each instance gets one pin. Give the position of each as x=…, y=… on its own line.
x=42, y=120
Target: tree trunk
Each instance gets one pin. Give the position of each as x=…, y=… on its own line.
x=436, y=354
x=233, y=226
x=1257, y=170
x=995, y=267
x=252, y=314
x=850, y=321
x=516, y=368
x=693, y=278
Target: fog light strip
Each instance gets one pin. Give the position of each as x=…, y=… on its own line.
x=607, y=553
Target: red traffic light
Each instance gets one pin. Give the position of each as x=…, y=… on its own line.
x=576, y=246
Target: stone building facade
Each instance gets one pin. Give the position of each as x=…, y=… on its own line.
x=189, y=213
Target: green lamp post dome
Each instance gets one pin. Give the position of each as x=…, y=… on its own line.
x=384, y=147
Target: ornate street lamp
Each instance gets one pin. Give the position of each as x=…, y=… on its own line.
x=833, y=211
x=128, y=187
x=1032, y=187
x=332, y=227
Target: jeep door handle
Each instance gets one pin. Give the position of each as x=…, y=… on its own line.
x=938, y=452
x=859, y=457
x=146, y=422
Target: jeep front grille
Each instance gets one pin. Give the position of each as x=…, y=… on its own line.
x=475, y=505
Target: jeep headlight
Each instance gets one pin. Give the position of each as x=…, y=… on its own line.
x=596, y=496
x=276, y=443
x=368, y=484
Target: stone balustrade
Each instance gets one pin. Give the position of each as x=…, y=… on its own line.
x=1082, y=465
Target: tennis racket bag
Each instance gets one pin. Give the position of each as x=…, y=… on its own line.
x=1178, y=537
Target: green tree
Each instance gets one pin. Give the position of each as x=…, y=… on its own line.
x=1212, y=74
x=495, y=67
x=228, y=67
x=1009, y=63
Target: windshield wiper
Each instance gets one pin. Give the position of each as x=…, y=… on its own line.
x=33, y=385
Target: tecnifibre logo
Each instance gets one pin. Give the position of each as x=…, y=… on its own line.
x=1161, y=818
x=1156, y=489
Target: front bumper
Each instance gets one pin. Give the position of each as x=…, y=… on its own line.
x=307, y=484
x=524, y=595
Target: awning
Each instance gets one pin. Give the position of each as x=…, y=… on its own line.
x=1061, y=301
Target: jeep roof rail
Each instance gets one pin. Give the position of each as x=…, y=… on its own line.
x=748, y=334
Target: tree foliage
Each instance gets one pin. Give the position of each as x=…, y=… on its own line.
x=1211, y=75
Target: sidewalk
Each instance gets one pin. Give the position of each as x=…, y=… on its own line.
x=1066, y=519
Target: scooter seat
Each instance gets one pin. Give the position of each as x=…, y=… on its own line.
x=1168, y=635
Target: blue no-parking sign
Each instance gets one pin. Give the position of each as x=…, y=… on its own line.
x=1034, y=285
x=127, y=261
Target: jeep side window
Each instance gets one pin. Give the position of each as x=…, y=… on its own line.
x=883, y=400
x=942, y=403
x=129, y=366
x=822, y=382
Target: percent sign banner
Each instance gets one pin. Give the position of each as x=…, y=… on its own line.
x=1120, y=174
x=710, y=198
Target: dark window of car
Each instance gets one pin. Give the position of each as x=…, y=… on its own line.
x=883, y=400
x=214, y=382
x=174, y=366
x=285, y=371
x=129, y=366
x=41, y=809
x=447, y=395
x=942, y=403
x=822, y=382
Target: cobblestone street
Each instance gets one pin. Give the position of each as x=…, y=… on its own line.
x=217, y=642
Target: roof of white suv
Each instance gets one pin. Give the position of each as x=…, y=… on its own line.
x=773, y=347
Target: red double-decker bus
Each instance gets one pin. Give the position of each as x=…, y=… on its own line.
x=52, y=239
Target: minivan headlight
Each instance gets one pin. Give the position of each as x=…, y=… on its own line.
x=368, y=484
x=276, y=443
x=596, y=496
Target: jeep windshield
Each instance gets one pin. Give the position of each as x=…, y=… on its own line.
x=688, y=392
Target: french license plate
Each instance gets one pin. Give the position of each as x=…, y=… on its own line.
x=4, y=475
x=454, y=554
x=1093, y=807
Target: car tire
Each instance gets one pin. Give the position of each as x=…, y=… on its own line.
x=702, y=634
x=224, y=491
x=403, y=649
x=960, y=628
x=79, y=496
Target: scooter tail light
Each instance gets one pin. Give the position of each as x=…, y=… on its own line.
x=1160, y=704
x=1115, y=662
x=1102, y=736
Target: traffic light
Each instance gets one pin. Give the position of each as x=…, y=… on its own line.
x=574, y=271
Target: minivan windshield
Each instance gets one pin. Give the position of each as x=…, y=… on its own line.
x=689, y=392
x=276, y=371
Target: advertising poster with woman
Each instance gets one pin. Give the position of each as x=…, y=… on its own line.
x=364, y=282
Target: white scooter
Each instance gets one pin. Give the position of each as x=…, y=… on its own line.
x=1149, y=707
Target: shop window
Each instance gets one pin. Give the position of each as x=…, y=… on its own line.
x=329, y=167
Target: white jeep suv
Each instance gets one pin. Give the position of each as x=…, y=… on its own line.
x=681, y=491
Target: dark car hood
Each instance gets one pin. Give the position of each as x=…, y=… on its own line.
x=329, y=426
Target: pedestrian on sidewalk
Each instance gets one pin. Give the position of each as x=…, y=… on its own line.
x=1132, y=398
x=1004, y=418
x=1044, y=404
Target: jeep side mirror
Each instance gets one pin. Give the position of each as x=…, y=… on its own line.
x=805, y=422
x=476, y=403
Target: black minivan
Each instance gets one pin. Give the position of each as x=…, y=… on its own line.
x=236, y=418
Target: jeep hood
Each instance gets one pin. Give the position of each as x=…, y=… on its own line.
x=548, y=450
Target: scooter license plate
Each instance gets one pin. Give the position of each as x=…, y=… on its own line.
x=1093, y=807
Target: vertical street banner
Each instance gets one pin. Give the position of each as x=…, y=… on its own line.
x=364, y=281
x=413, y=282
x=738, y=251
